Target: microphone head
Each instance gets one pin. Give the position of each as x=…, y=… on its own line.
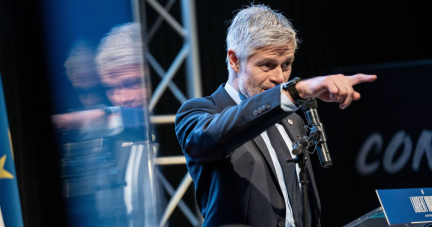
x=308, y=104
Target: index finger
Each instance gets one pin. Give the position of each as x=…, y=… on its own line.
x=360, y=78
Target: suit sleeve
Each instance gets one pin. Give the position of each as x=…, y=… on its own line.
x=207, y=133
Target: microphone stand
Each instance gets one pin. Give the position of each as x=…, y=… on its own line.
x=299, y=150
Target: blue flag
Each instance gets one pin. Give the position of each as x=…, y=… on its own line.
x=10, y=208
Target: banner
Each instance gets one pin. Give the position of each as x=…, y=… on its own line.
x=10, y=208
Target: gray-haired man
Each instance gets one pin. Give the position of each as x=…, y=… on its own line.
x=239, y=177
x=120, y=64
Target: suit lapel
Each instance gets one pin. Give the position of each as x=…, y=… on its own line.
x=293, y=130
x=262, y=147
x=223, y=100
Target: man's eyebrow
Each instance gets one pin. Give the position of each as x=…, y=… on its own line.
x=132, y=80
x=291, y=59
x=265, y=60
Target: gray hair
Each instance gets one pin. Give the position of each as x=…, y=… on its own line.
x=255, y=27
x=121, y=46
x=80, y=66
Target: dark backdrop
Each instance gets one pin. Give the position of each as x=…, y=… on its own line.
x=388, y=38
x=26, y=88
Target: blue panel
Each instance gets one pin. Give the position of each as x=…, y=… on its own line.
x=407, y=205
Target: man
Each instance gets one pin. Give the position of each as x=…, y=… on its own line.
x=120, y=64
x=112, y=141
x=228, y=138
x=81, y=71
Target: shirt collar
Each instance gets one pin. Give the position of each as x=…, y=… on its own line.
x=235, y=95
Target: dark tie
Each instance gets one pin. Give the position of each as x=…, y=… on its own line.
x=289, y=171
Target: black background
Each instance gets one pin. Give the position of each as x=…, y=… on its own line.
x=338, y=37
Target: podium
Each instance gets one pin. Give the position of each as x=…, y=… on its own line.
x=376, y=218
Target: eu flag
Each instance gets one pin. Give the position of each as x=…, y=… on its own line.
x=10, y=208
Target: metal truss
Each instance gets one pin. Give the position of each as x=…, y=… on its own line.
x=189, y=55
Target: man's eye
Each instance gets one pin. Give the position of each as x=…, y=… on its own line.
x=286, y=65
x=267, y=65
x=134, y=85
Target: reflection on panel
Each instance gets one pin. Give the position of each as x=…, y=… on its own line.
x=107, y=153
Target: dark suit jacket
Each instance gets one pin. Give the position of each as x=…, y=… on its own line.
x=235, y=180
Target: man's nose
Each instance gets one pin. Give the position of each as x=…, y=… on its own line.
x=128, y=98
x=277, y=76
x=123, y=97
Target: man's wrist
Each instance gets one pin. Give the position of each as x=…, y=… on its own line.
x=111, y=110
x=290, y=87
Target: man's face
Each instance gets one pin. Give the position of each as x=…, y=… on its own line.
x=265, y=69
x=124, y=85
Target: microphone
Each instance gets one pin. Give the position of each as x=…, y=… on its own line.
x=310, y=109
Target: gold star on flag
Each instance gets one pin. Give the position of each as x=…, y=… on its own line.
x=3, y=173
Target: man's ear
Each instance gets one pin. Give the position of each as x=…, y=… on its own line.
x=233, y=60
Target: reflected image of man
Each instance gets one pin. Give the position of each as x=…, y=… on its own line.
x=120, y=65
x=110, y=143
x=231, y=138
x=81, y=72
